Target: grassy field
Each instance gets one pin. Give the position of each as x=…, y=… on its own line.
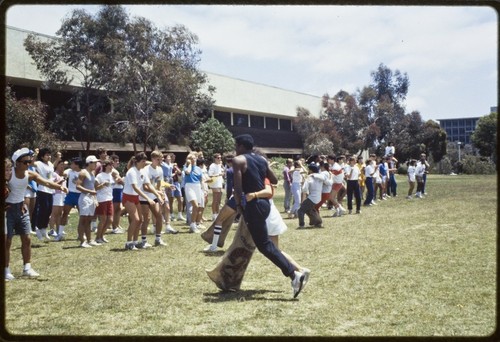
x=402, y=268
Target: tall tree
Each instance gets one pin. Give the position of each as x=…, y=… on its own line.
x=484, y=137
x=155, y=93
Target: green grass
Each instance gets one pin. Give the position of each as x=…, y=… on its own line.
x=402, y=268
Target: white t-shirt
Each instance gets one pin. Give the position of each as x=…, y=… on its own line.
x=354, y=171
x=151, y=176
x=313, y=187
x=72, y=178
x=133, y=177
x=338, y=174
x=296, y=176
x=47, y=172
x=369, y=170
x=105, y=193
x=215, y=171
x=420, y=169
x=411, y=173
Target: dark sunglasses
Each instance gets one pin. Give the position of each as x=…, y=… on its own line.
x=25, y=162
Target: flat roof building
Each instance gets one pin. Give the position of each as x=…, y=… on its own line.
x=264, y=111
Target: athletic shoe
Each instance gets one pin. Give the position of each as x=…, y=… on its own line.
x=39, y=234
x=210, y=248
x=101, y=241
x=358, y=211
x=117, y=230
x=143, y=245
x=59, y=238
x=297, y=283
x=85, y=244
x=180, y=217
x=30, y=273
x=131, y=247
x=170, y=230
x=52, y=233
x=159, y=243
x=193, y=228
x=306, y=272
x=201, y=227
x=94, y=243
x=408, y=197
x=9, y=276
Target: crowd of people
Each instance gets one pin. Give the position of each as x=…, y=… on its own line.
x=42, y=189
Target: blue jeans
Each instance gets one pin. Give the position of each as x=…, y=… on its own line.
x=255, y=215
x=393, y=185
x=370, y=190
x=288, y=195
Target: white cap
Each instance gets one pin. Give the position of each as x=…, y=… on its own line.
x=21, y=153
x=91, y=159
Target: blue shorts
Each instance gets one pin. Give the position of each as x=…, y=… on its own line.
x=117, y=195
x=18, y=219
x=71, y=199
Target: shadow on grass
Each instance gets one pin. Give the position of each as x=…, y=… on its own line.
x=242, y=296
x=213, y=254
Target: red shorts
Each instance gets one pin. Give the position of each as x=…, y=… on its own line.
x=130, y=198
x=104, y=208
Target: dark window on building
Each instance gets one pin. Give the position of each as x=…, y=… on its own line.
x=21, y=92
x=285, y=125
x=256, y=121
x=272, y=123
x=240, y=120
x=223, y=117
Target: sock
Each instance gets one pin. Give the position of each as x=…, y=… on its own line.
x=43, y=231
x=144, y=238
x=7, y=270
x=158, y=237
x=215, y=239
x=27, y=266
x=60, y=230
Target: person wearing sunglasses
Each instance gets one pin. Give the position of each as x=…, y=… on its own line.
x=17, y=214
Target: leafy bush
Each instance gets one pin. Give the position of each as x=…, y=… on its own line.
x=474, y=165
x=444, y=166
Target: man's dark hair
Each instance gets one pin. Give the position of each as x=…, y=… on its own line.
x=43, y=152
x=245, y=140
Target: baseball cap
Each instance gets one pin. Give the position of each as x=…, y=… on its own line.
x=91, y=159
x=21, y=153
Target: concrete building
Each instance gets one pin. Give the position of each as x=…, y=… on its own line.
x=264, y=111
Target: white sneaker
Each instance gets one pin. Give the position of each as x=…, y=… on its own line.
x=159, y=242
x=39, y=234
x=30, y=273
x=117, y=230
x=193, y=228
x=170, y=230
x=59, y=238
x=94, y=243
x=85, y=244
x=101, y=241
x=144, y=245
x=131, y=247
x=200, y=226
x=52, y=233
x=297, y=283
x=9, y=276
x=306, y=272
x=180, y=217
x=210, y=248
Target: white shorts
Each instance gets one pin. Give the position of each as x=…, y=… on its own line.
x=29, y=194
x=87, y=204
x=58, y=199
x=193, y=192
x=274, y=222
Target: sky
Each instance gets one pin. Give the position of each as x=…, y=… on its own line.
x=450, y=54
